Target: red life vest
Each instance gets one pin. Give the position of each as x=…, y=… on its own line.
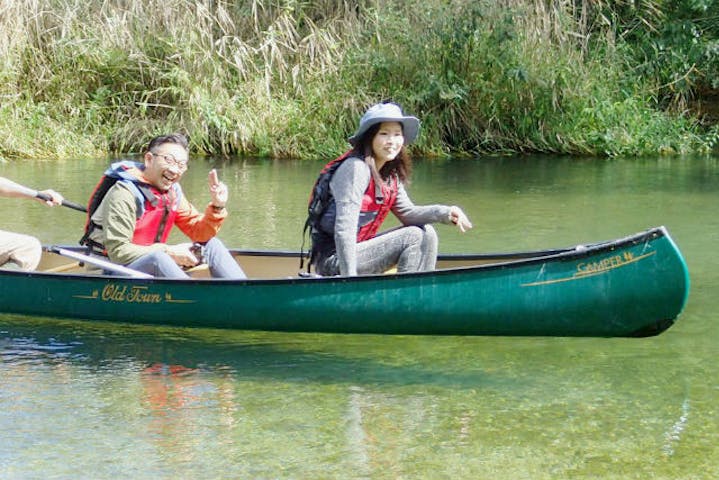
x=374, y=209
x=156, y=221
x=155, y=210
x=322, y=210
x=377, y=201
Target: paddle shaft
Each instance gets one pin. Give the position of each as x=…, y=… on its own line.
x=104, y=264
x=65, y=203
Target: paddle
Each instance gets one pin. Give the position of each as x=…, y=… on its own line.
x=104, y=264
x=65, y=203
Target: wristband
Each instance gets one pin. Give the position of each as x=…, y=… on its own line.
x=217, y=209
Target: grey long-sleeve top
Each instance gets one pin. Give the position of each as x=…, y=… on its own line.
x=348, y=185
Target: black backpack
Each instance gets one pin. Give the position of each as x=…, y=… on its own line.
x=320, y=198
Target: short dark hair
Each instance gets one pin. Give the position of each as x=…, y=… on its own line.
x=176, y=138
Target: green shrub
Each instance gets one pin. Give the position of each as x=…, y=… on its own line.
x=289, y=78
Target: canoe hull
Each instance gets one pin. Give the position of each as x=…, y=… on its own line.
x=636, y=286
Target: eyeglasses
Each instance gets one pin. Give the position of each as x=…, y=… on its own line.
x=171, y=160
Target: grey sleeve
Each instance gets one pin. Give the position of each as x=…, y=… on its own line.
x=410, y=214
x=348, y=185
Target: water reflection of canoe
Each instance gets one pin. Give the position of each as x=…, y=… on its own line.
x=634, y=286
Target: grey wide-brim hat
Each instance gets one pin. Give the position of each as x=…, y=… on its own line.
x=387, y=112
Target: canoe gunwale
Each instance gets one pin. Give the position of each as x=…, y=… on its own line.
x=507, y=260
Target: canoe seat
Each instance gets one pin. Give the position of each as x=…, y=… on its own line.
x=199, y=271
x=63, y=268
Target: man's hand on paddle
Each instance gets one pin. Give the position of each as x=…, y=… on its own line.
x=54, y=198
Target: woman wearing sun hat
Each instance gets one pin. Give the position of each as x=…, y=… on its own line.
x=366, y=184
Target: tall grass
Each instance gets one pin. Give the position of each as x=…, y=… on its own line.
x=289, y=78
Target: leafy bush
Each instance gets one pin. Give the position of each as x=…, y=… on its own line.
x=288, y=78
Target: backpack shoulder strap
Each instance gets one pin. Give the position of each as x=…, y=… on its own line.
x=124, y=171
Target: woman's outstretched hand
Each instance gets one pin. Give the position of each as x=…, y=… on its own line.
x=457, y=216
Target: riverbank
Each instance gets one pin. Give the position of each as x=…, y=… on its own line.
x=290, y=79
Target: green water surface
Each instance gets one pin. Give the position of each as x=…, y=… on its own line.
x=105, y=401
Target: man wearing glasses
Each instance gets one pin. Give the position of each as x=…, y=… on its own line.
x=131, y=221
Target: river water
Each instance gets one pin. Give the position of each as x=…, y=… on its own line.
x=105, y=401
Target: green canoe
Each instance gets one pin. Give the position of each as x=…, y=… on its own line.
x=633, y=286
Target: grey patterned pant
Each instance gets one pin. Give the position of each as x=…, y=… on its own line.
x=410, y=249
